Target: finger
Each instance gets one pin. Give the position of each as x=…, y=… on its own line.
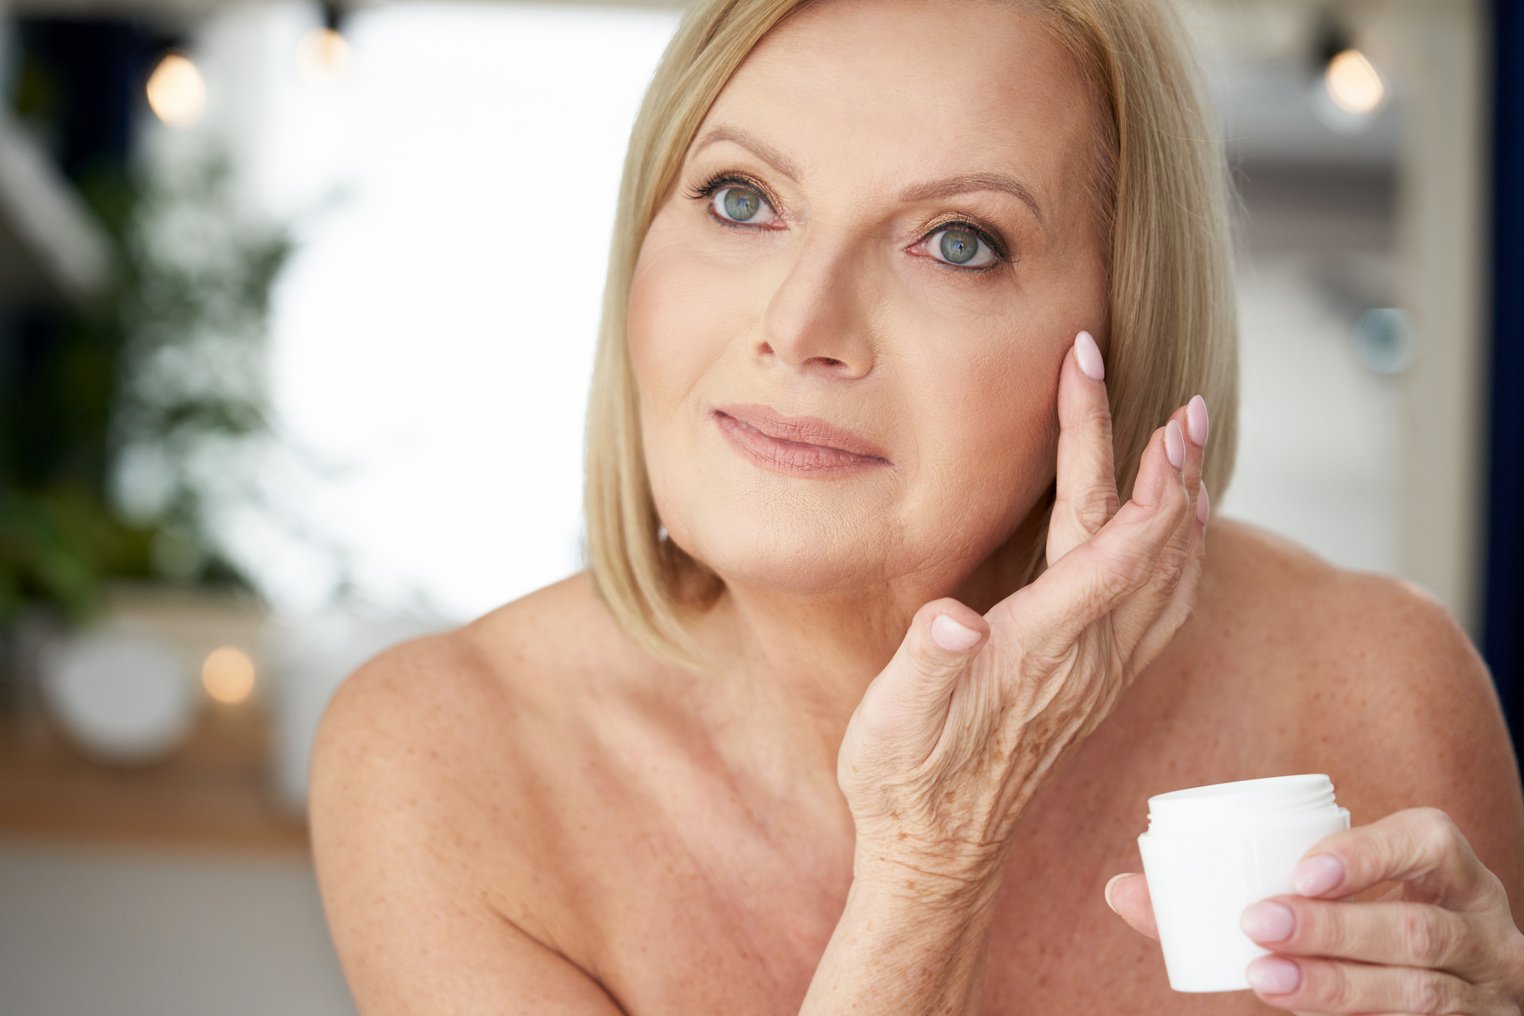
x=1395, y=933
x=1127, y=895
x=1087, y=583
x=1305, y=984
x=1181, y=603
x=1086, y=489
x=907, y=703
x=1149, y=619
x=1421, y=846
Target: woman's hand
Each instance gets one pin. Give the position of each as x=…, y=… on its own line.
x=1441, y=941
x=958, y=732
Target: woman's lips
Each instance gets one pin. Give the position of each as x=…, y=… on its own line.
x=797, y=458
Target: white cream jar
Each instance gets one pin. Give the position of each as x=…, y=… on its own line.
x=1211, y=852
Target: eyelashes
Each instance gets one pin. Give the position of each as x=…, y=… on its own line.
x=706, y=190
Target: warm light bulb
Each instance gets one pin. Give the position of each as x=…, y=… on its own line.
x=176, y=91
x=227, y=674
x=324, y=53
x=1353, y=83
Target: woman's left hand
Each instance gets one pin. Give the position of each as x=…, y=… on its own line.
x=1440, y=941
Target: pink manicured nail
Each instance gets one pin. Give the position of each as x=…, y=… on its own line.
x=1107, y=892
x=1318, y=874
x=1174, y=444
x=1203, y=507
x=1196, y=420
x=951, y=635
x=1267, y=922
x=1273, y=975
x=1089, y=356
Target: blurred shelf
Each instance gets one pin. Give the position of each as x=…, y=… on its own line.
x=213, y=793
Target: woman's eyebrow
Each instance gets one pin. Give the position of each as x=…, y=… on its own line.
x=959, y=184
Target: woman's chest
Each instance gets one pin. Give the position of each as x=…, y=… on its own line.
x=698, y=908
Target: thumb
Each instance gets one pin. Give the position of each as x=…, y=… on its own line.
x=1127, y=894
x=911, y=696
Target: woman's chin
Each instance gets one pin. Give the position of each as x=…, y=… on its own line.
x=792, y=563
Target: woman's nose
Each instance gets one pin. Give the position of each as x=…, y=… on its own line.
x=815, y=320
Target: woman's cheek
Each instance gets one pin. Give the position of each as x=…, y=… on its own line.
x=995, y=429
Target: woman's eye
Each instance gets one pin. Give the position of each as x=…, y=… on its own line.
x=737, y=203
x=959, y=246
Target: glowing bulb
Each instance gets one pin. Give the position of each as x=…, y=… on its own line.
x=324, y=53
x=1353, y=84
x=176, y=92
x=227, y=674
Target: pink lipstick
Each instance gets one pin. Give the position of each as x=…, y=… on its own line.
x=796, y=445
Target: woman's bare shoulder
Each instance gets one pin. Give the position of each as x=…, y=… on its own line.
x=1349, y=642
x=457, y=748
x=467, y=690
x=430, y=823
x=1381, y=687
x=1262, y=587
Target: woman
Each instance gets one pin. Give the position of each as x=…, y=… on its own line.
x=899, y=605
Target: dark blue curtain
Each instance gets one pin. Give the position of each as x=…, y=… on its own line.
x=1503, y=622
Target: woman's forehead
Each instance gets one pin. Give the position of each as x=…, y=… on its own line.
x=917, y=90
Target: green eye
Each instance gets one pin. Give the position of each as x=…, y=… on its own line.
x=740, y=198
x=741, y=203
x=959, y=246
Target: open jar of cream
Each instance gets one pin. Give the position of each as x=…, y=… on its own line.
x=1211, y=852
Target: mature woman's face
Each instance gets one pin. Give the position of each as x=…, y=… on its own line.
x=827, y=274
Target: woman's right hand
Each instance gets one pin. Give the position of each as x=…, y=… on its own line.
x=959, y=731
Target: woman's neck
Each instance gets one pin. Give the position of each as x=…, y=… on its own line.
x=791, y=669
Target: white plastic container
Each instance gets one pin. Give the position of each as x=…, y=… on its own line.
x=1211, y=852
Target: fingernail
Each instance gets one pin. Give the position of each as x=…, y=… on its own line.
x=1114, y=880
x=951, y=635
x=1273, y=975
x=1196, y=420
x=1267, y=922
x=1174, y=444
x=1203, y=507
x=1318, y=874
x=1089, y=356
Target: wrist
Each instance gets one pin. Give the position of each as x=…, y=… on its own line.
x=955, y=883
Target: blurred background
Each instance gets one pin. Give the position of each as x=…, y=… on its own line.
x=285, y=379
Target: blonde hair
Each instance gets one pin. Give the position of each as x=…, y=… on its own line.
x=1163, y=208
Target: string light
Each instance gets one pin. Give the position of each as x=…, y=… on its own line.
x=324, y=51
x=176, y=90
x=227, y=674
x=1353, y=83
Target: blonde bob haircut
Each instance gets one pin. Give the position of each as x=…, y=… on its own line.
x=1163, y=205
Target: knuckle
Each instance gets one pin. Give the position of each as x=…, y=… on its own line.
x=1424, y=939
x=1426, y=992
x=1440, y=833
x=1097, y=416
x=1175, y=616
x=1436, y=822
x=1334, y=989
x=1094, y=508
x=1171, y=566
x=1124, y=572
x=1495, y=890
x=1319, y=927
